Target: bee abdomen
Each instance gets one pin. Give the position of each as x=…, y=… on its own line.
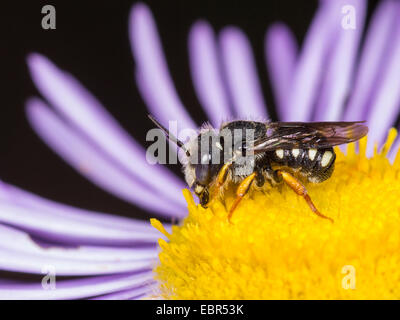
x=314, y=164
x=323, y=166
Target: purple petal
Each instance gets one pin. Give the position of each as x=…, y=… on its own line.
x=75, y=289
x=16, y=196
x=281, y=54
x=58, y=229
x=20, y=242
x=340, y=64
x=47, y=220
x=395, y=149
x=385, y=107
x=92, y=164
x=87, y=114
x=375, y=53
x=310, y=64
x=15, y=261
x=241, y=74
x=153, y=78
x=127, y=294
x=61, y=223
x=206, y=73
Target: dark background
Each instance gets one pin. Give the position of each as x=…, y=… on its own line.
x=91, y=42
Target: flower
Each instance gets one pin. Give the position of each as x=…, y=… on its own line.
x=278, y=249
x=111, y=257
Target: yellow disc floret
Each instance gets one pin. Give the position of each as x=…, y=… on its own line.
x=276, y=248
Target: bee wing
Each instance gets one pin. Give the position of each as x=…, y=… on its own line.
x=287, y=135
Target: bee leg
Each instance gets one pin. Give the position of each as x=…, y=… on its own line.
x=241, y=192
x=260, y=180
x=272, y=176
x=221, y=178
x=301, y=190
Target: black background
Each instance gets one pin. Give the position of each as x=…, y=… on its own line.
x=91, y=42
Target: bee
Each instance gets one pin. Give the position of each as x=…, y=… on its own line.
x=294, y=153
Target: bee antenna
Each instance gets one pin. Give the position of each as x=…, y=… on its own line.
x=169, y=135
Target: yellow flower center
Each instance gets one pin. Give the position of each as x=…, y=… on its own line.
x=277, y=248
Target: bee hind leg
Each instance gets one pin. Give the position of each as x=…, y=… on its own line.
x=301, y=190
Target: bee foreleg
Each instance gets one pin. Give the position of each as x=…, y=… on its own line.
x=301, y=190
x=241, y=191
x=221, y=179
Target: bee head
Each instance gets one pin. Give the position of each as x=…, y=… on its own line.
x=204, y=162
x=202, y=158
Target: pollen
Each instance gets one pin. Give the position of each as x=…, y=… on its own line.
x=276, y=248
